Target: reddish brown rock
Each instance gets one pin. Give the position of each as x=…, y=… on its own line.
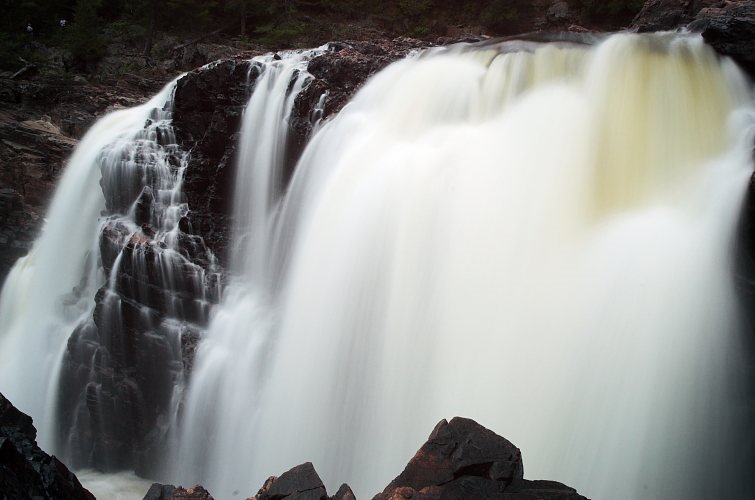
x=170, y=492
x=461, y=456
x=299, y=483
x=461, y=460
x=344, y=493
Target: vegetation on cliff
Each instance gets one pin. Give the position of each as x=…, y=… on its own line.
x=81, y=27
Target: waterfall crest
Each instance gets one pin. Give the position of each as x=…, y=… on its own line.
x=538, y=238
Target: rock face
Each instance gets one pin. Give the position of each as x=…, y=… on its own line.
x=460, y=460
x=27, y=472
x=33, y=153
x=730, y=30
x=40, y=123
x=727, y=26
x=660, y=15
x=209, y=105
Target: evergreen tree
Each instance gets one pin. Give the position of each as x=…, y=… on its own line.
x=84, y=39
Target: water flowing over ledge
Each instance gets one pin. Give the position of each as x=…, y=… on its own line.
x=540, y=238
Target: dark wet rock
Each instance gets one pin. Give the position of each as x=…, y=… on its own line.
x=660, y=15
x=727, y=26
x=25, y=470
x=523, y=489
x=730, y=29
x=338, y=74
x=19, y=225
x=170, y=492
x=461, y=460
x=160, y=492
x=32, y=154
x=209, y=104
x=460, y=449
x=143, y=208
x=299, y=483
x=344, y=493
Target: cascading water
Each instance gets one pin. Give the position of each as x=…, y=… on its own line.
x=248, y=302
x=124, y=366
x=540, y=239
x=537, y=236
x=52, y=289
x=105, y=295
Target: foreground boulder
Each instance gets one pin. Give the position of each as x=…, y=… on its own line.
x=26, y=471
x=460, y=460
x=168, y=492
x=299, y=483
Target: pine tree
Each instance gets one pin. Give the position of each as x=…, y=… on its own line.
x=84, y=39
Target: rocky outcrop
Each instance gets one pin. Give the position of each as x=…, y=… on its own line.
x=460, y=460
x=19, y=224
x=27, y=472
x=660, y=15
x=730, y=29
x=209, y=105
x=727, y=26
x=32, y=153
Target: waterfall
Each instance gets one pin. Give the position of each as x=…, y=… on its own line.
x=92, y=318
x=538, y=236
x=259, y=186
x=52, y=289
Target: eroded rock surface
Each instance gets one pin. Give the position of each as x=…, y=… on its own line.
x=27, y=472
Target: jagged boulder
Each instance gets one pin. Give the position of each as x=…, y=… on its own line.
x=456, y=450
x=27, y=472
x=300, y=483
x=463, y=460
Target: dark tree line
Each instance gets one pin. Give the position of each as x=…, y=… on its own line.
x=273, y=21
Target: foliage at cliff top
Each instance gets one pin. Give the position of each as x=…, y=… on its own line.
x=79, y=26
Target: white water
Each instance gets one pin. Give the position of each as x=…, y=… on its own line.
x=542, y=242
x=262, y=158
x=51, y=290
x=115, y=486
